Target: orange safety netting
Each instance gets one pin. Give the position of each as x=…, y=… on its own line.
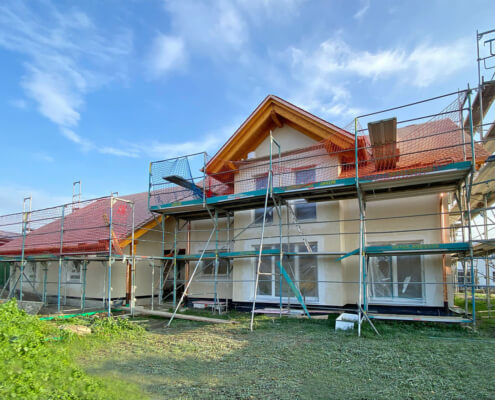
x=417, y=149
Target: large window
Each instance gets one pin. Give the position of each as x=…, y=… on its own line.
x=396, y=278
x=303, y=270
x=303, y=209
x=262, y=183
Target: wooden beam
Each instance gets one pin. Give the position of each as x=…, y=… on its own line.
x=141, y=231
x=164, y=314
x=275, y=119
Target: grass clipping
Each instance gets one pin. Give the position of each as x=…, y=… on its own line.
x=35, y=359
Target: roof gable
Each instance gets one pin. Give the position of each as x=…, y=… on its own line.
x=274, y=112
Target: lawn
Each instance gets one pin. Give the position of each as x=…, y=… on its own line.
x=284, y=358
x=296, y=358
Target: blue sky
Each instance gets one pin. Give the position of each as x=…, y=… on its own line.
x=94, y=91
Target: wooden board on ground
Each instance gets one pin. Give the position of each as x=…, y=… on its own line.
x=164, y=314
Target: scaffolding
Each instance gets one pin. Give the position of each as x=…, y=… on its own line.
x=69, y=236
x=262, y=212
x=286, y=226
x=390, y=159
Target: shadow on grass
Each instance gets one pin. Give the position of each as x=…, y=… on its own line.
x=297, y=358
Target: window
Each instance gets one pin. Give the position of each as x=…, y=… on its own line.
x=396, y=277
x=262, y=183
x=73, y=271
x=303, y=270
x=460, y=277
x=302, y=209
x=305, y=176
x=208, y=266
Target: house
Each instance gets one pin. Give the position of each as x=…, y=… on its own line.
x=329, y=240
x=67, y=251
x=5, y=237
x=405, y=175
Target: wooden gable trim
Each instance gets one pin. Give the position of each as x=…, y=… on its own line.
x=141, y=231
x=274, y=112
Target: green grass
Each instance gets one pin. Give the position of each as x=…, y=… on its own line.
x=36, y=361
x=296, y=358
x=284, y=358
x=485, y=320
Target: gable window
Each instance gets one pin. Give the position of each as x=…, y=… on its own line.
x=303, y=270
x=302, y=209
x=396, y=278
x=262, y=183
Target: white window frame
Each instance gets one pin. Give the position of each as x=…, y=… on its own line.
x=396, y=299
x=275, y=270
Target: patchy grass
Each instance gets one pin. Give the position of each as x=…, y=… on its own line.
x=36, y=363
x=295, y=358
x=284, y=358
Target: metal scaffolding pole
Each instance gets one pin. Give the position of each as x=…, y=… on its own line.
x=174, y=302
x=468, y=185
x=162, y=265
x=84, y=273
x=152, y=265
x=45, y=277
x=60, y=258
x=110, y=240
x=215, y=288
x=269, y=191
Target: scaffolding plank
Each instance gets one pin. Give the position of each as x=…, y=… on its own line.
x=488, y=96
x=330, y=189
x=180, y=181
x=421, y=248
x=420, y=318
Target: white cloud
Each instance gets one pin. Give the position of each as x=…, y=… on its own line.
x=55, y=100
x=66, y=57
x=210, y=142
x=322, y=75
x=118, y=152
x=167, y=53
x=221, y=28
x=365, y=5
x=213, y=27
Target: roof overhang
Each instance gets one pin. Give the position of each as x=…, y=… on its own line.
x=273, y=113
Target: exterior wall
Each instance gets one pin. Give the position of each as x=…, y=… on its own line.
x=97, y=275
x=393, y=231
x=203, y=286
x=337, y=280
x=288, y=138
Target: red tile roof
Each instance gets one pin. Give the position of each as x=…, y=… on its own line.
x=85, y=229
